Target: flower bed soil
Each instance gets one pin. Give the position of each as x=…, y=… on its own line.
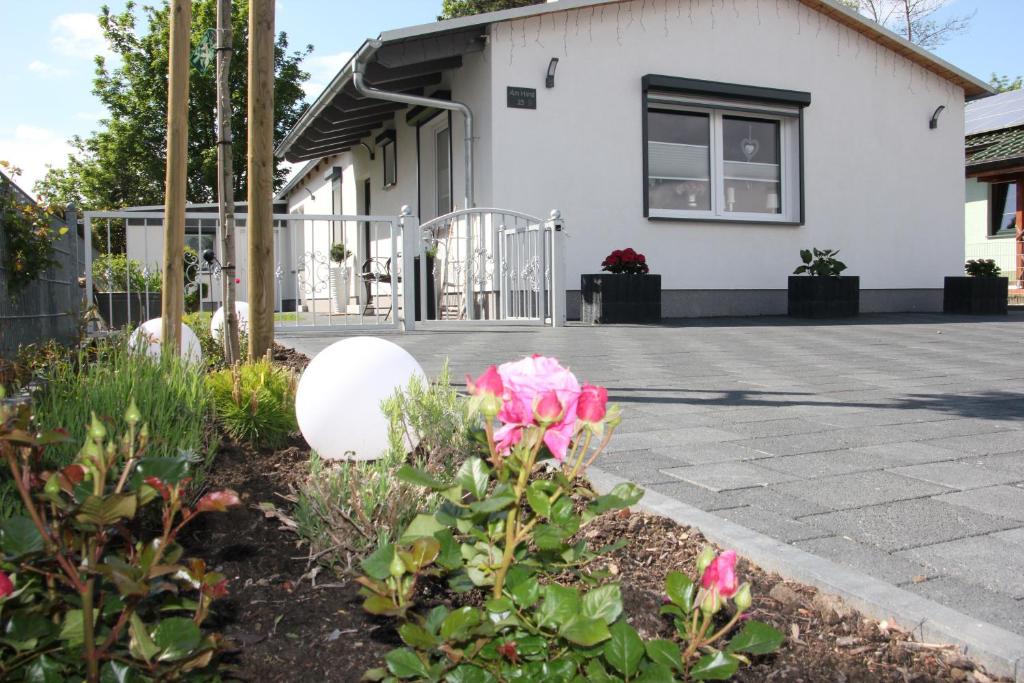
x=289, y=622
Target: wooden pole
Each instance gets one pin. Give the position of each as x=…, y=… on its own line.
x=260, y=175
x=173, y=293
x=226, y=181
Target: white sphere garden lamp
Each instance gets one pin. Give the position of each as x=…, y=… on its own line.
x=337, y=404
x=148, y=337
x=217, y=321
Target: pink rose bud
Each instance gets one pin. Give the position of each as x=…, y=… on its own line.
x=593, y=403
x=238, y=280
x=721, y=574
x=487, y=384
x=218, y=501
x=548, y=408
x=6, y=586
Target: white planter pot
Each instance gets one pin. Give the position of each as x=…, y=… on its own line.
x=339, y=289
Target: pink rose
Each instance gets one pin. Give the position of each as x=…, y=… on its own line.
x=6, y=586
x=524, y=382
x=593, y=403
x=487, y=384
x=548, y=408
x=218, y=501
x=721, y=574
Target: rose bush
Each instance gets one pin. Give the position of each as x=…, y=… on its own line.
x=626, y=261
x=509, y=525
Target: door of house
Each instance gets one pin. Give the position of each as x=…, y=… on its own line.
x=435, y=167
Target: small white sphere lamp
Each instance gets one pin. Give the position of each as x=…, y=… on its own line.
x=217, y=321
x=149, y=335
x=337, y=404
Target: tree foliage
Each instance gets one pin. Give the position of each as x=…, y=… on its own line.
x=915, y=20
x=451, y=9
x=1005, y=84
x=123, y=163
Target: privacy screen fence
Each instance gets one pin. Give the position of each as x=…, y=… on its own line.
x=49, y=307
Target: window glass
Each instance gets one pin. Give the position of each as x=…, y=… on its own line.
x=751, y=168
x=679, y=160
x=390, y=164
x=1003, y=207
x=442, y=152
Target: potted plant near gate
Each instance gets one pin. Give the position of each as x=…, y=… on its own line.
x=126, y=292
x=626, y=292
x=339, y=277
x=981, y=292
x=825, y=293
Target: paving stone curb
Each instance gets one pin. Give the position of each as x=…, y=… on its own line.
x=1000, y=651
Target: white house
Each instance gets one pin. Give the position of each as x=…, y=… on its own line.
x=717, y=137
x=994, y=212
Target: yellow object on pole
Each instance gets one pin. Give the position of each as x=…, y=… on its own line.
x=173, y=292
x=260, y=176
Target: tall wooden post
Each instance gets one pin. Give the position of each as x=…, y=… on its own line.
x=173, y=292
x=226, y=181
x=261, y=177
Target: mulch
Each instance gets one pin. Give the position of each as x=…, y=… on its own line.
x=288, y=620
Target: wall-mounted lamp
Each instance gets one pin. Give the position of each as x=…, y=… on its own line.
x=934, y=122
x=369, y=150
x=311, y=195
x=550, y=80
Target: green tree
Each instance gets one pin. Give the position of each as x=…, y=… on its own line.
x=122, y=163
x=451, y=9
x=1005, y=83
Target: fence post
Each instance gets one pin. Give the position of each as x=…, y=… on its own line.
x=71, y=223
x=87, y=237
x=410, y=226
x=557, y=268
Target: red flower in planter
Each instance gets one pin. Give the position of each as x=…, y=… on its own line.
x=6, y=585
x=627, y=261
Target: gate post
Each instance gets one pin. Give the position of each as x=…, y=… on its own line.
x=87, y=247
x=410, y=227
x=557, y=227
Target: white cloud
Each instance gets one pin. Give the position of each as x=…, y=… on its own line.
x=32, y=149
x=78, y=35
x=45, y=70
x=322, y=68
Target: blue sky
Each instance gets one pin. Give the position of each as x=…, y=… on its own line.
x=49, y=44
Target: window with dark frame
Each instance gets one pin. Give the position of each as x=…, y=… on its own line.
x=390, y=162
x=718, y=152
x=1002, y=206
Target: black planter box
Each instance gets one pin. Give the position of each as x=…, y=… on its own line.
x=817, y=296
x=431, y=295
x=975, y=295
x=113, y=307
x=620, y=298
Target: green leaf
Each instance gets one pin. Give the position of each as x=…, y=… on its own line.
x=404, y=663
x=493, y=503
x=656, y=673
x=624, y=649
x=559, y=606
x=378, y=674
x=622, y=496
x=562, y=512
x=665, y=652
x=525, y=593
x=177, y=638
x=416, y=637
x=596, y=673
x=168, y=469
x=116, y=672
x=378, y=563
x=141, y=645
x=681, y=590
x=585, y=631
x=44, y=670
x=420, y=526
x=421, y=553
x=417, y=477
x=537, y=497
x=106, y=510
x=73, y=630
x=468, y=673
x=717, y=667
x=19, y=537
x=756, y=638
x=459, y=622
x=604, y=603
x=473, y=476
x=549, y=536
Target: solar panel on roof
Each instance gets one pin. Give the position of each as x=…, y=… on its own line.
x=1004, y=110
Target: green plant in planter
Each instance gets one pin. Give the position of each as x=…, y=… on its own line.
x=339, y=254
x=509, y=525
x=254, y=402
x=982, y=268
x=81, y=596
x=821, y=262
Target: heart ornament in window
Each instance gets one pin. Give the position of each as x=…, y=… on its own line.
x=749, y=146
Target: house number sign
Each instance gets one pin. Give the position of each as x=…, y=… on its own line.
x=522, y=98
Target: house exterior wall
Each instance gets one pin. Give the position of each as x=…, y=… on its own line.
x=878, y=183
x=978, y=244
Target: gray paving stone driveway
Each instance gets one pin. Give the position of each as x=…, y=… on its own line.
x=891, y=444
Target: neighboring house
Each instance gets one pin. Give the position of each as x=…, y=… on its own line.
x=717, y=138
x=994, y=211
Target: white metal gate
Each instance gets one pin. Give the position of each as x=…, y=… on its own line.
x=492, y=265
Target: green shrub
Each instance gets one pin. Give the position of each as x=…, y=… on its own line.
x=983, y=267
x=254, y=403
x=820, y=262
x=116, y=272
x=172, y=398
x=346, y=509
